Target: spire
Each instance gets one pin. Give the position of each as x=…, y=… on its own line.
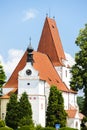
x=50, y=42
x=29, y=52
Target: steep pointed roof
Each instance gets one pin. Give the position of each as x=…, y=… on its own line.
x=50, y=42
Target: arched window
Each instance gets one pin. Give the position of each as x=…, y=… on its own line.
x=66, y=73
x=76, y=124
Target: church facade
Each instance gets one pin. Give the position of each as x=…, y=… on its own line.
x=37, y=71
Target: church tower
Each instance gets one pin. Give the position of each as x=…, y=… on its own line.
x=29, y=82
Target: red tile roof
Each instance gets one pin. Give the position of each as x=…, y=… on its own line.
x=7, y=96
x=50, y=42
x=71, y=113
x=47, y=71
x=81, y=116
x=45, y=68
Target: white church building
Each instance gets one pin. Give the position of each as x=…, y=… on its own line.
x=37, y=71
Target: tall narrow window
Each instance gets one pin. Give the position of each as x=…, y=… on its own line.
x=3, y=116
x=66, y=73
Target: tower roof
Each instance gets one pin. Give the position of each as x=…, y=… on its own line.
x=50, y=42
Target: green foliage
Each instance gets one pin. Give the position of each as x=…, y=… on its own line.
x=2, y=123
x=25, y=111
x=2, y=77
x=12, y=112
x=84, y=123
x=67, y=128
x=25, y=121
x=55, y=110
x=80, y=101
x=26, y=127
x=85, y=128
x=18, y=113
x=39, y=127
x=6, y=128
x=79, y=70
x=49, y=128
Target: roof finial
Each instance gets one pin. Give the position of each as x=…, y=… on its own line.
x=30, y=49
x=46, y=14
x=49, y=12
x=29, y=52
x=30, y=40
x=53, y=17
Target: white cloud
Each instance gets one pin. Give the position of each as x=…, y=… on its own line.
x=1, y=59
x=70, y=59
x=29, y=14
x=14, y=57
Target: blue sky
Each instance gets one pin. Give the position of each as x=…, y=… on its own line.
x=22, y=19
x=16, y=26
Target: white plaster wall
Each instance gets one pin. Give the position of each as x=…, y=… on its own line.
x=66, y=75
x=35, y=108
x=66, y=100
x=76, y=121
x=71, y=122
x=59, y=70
x=3, y=107
x=35, y=86
x=22, y=73
x=38, y=109
x=72, y=99
x=41, y=87
x=42, y=110
x=47, y=91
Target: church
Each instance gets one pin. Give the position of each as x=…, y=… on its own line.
x=37, y=71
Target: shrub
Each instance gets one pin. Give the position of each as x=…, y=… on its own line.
x=39, y=127
x=2, y=123
x=25, y=121
x=27, y=127
x=49, y=128
x=85, y=128
x=67, y=128
x=6, y=128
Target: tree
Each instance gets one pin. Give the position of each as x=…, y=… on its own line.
x=55, y=110
x=80, y=101
x=12, y=118
x=2, y=77
x=25, y=111
x=79, y=70
x=2, y=123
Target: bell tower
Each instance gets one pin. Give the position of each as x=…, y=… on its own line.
x=29, y=82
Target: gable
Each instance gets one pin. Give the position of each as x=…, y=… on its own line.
x=50, y=42
x=45, y=68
